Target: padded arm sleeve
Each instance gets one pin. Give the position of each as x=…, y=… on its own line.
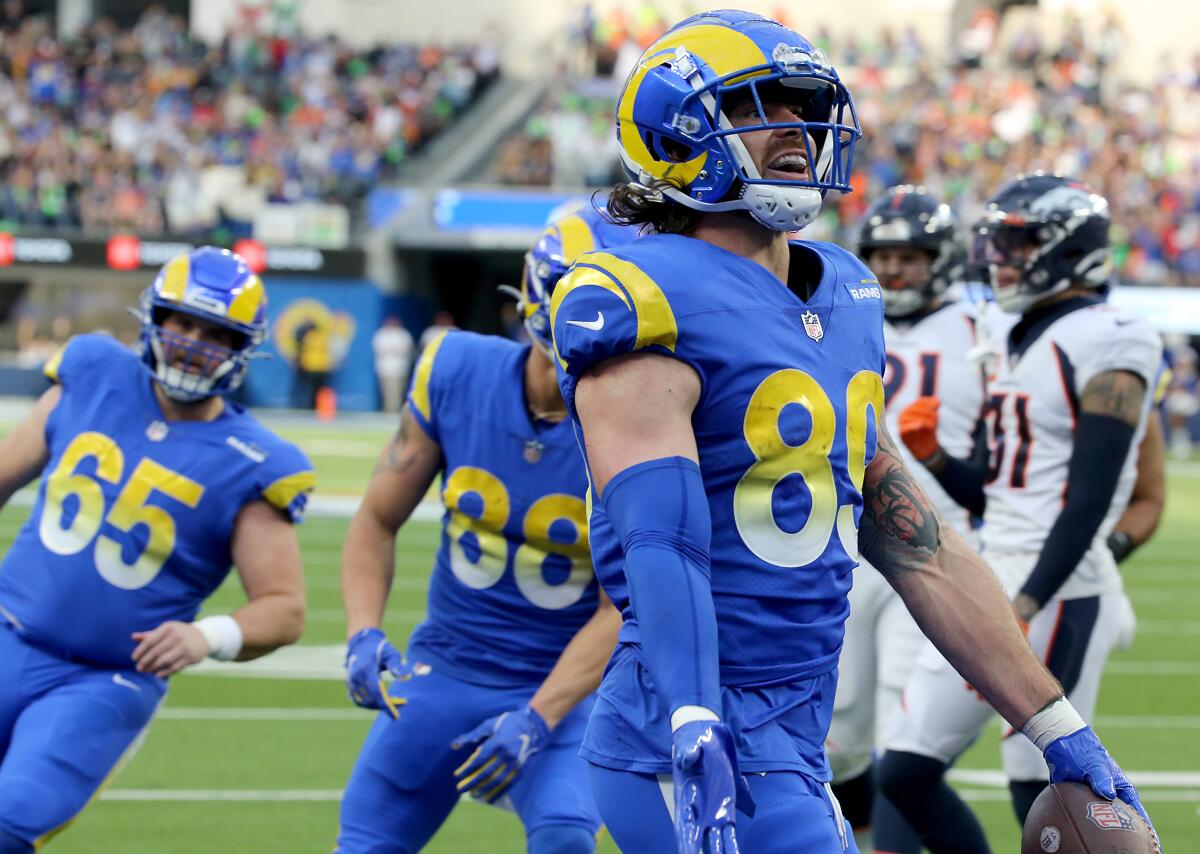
x=660, y=513
x=963, y=479
x=1101, y=446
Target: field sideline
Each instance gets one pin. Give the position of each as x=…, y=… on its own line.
x=255, y=762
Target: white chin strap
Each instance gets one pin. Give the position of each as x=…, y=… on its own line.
x=777, y=208
x=782, y=208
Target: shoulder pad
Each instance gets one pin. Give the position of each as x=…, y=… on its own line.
x=606, y=306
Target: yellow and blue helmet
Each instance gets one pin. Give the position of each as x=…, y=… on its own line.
x=671, y=125
x=214, y=285
x=584, y=229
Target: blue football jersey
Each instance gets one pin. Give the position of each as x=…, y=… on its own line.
x=135, y=514
x=512, y=581
x=791, y=396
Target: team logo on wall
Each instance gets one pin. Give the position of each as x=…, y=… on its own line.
x=332, y=330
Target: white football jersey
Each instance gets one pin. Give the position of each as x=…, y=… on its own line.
x=929, y=357
x=1033, y=401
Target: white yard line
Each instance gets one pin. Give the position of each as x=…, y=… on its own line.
x=324, y=661
x=993, y=778
x=1142, y=779
x=349, y=713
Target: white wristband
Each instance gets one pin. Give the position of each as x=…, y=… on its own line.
x=223, y=634
x=688, y=714
x=1053, y=722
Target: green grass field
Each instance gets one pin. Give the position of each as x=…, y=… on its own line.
x=245, y=764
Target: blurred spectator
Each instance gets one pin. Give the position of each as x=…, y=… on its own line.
x=1182, y=402
x=392, y=345
x=314, y=363
x=442, y=321
x=150, y=131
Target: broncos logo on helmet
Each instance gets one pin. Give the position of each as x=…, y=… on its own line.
x=1051, y=228
x=568, y=236
x=671, y=123
x=214, y=285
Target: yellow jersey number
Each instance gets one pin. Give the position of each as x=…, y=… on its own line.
x=777, y=460
x=487, y=528
x=129, y=510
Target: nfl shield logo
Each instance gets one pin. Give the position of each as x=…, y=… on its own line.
x=812, y=325
x=533, y=451
x=1109, y=816
x=157, y=431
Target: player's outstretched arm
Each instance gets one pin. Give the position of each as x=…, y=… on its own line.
x=1109, y=411
x=406, y=468
x=23, y=450
x=949, y=589
x=266, y=554
x=960, y=606
x=1141, y=517
x=636, y=413
x=402, y=476
x=511, y=739
x=579, y=668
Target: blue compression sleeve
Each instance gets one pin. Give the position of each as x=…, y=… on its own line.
x=660, y=512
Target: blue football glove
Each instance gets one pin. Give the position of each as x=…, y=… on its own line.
x=369, y=655
x=509, y=740
x=708, y=788
x=1081, y=758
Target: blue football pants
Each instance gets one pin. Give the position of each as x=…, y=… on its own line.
x=64, y=729
x=402, y=787
x=794, y=813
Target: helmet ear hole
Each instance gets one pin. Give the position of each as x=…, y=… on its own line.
x=669, y=150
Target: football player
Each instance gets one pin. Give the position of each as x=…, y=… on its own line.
x=728, y=388
x=493, y=692
x=909, y=240
x=152, y=486
x=1068, y=401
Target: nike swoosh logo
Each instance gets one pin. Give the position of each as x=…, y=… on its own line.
x=594, y=325
x=125, y=683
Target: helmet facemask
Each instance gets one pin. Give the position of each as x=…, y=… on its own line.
x=700, y=131
x=189, y=370
x=538, y=278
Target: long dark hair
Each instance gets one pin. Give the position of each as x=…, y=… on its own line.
x=636, y=204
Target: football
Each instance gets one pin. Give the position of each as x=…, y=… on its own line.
x=1069, y=818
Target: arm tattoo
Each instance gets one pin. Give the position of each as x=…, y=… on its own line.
x=393, y=459
x=900, y=529
x=1119, y=394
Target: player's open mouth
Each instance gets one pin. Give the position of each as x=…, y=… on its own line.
x=792, y=166
x=187, y=366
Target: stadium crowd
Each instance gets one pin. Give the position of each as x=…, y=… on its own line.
x=149, y=130
x=957, y=123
